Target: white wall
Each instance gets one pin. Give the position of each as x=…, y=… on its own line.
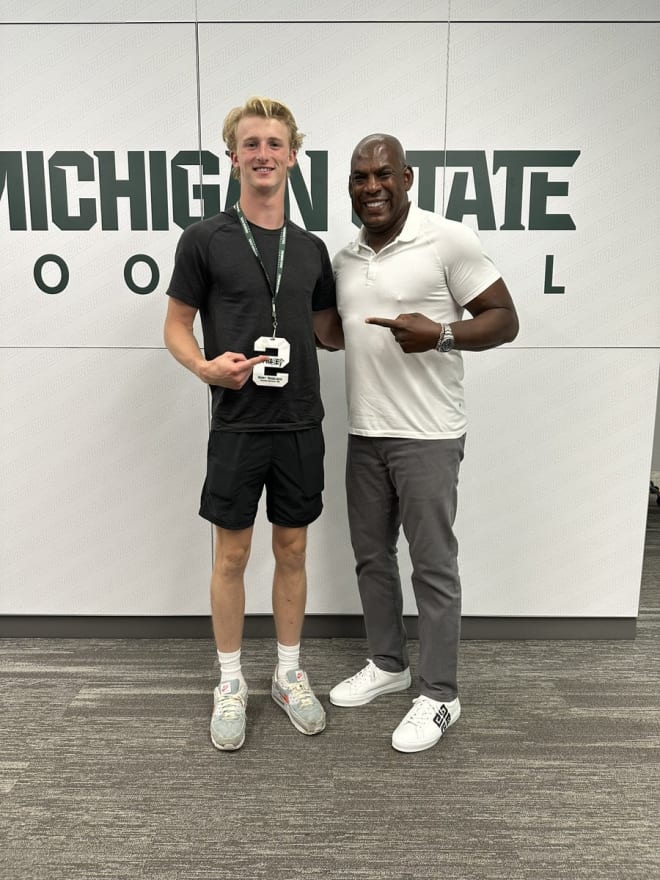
x=103, y=434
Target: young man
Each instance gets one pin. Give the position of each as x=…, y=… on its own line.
x=413, y=272
x=264, y=289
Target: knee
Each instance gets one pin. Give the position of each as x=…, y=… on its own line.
x=378, y=558
x=290, y=551
x=231, y=561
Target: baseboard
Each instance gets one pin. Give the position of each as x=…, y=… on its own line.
x=317, y=626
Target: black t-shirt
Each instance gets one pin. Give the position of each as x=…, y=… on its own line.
x=216, y=272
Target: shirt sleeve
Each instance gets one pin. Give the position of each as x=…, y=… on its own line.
x=190, y=282
x=468, y=269
x=324, y=296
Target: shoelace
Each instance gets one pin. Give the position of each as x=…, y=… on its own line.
x=367, y=672
x=422, y=711
x=229, y=706
x=301, y=693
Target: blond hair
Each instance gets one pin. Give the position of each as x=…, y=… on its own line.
x=267, y=108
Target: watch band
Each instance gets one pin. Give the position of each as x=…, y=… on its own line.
x=446, y=341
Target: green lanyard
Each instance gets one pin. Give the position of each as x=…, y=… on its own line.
x=280, y=260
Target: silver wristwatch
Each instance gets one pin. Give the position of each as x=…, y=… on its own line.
x=446, y=341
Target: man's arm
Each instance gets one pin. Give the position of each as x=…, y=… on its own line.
x=328, y=329
x=228, y=370
x=494, y=321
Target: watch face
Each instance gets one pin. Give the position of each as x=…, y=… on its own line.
x=447, y=344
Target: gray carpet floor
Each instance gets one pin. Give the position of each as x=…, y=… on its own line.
x=107, y=770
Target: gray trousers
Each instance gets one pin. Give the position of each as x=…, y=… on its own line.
x=393, y=483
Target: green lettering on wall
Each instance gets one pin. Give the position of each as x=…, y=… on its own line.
x=206, y=162
x=11, y=180
x=38, y=273
x=515, y=162
x=210, y=192
x=313, y=207
x=49, y=191
x=540, y=189
x=37, y=189
x=152, y=284
x=134, y=188
x=233, y=192
x=549, y=286
x=426, y=162
x=59, y=200
x=158, y=189
x=458, y=205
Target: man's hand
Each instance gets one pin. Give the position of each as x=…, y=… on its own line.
x=413, y=332
x=229, y=370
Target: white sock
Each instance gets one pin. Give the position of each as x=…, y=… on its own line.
x=288, y=658
x=230, y=665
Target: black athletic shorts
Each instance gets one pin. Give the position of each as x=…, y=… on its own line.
x=288, y=463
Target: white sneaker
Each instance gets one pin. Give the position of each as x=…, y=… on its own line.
x=423, y=726
x=294, y=694
x=228, y=719
x=367, y=684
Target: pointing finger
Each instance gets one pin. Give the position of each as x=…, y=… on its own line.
x=384, y=322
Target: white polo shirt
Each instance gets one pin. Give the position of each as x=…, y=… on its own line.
x=435, y=266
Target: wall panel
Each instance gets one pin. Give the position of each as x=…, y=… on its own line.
x=561, y=89
x=99, y=484
x=554, y=10
x=58, y=11
x=320, y=11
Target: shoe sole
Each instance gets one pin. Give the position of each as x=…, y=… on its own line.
x=349, y=702
x=228, y=746
x=297, y=724
x=421, y=747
